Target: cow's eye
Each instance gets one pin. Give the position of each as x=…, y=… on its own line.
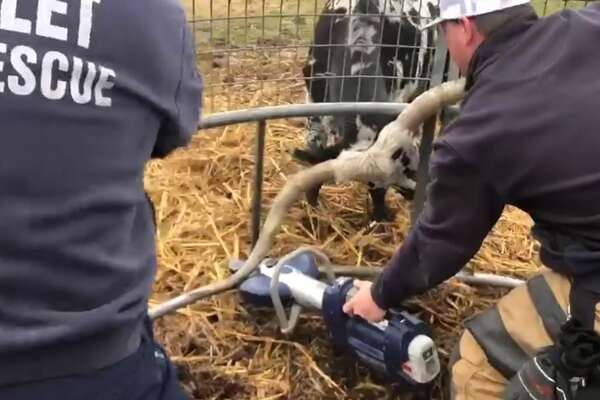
x=397, y=154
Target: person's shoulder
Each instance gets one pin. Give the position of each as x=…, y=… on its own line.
x=481, y=125
x=162, y=24
x=533, y=54
x=171, y=8
x=155, y=14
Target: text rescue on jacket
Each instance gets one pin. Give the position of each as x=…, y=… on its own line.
x=86, y=82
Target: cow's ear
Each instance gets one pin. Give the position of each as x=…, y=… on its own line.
x=434, y=11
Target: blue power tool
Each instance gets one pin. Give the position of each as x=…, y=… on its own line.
x=400, y=348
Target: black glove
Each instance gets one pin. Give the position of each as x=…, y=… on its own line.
x=580, y=349
x=539, y=379
x=549, y=376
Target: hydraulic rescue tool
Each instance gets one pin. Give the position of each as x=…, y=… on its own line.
x=400, y=347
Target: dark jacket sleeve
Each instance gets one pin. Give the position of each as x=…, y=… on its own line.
x=460, y=210
x=183, y=113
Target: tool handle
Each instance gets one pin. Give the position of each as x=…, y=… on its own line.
x=391, y=313
x=288, y=325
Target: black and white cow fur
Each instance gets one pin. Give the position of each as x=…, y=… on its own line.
x=364, y=51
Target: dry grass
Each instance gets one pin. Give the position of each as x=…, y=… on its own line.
x=203, y=198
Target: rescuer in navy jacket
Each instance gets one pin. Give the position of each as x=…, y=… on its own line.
x=90, y=90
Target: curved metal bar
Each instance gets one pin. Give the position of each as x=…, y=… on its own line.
x=304, y=110
x=298, y=110
x=288, y=325
x=259, y=153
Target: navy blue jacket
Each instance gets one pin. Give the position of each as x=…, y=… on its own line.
x=527, y=135
x=90, y=90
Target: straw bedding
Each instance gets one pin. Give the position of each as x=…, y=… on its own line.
x=202, y=194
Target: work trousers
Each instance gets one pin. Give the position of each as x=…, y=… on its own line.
x=147, y=374
x=498, y=342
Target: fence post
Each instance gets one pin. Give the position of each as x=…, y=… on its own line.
x=437, y=77
x=259, y=153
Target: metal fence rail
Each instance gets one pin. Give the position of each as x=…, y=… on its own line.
x=298, y=110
